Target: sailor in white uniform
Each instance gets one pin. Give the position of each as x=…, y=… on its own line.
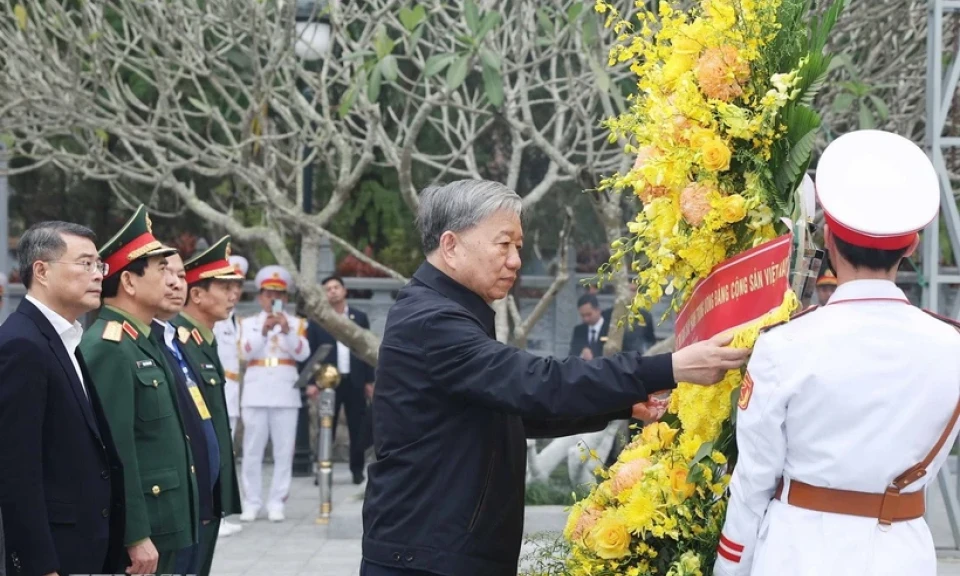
x=272, y=342
x=227, y=333
x=849, y=410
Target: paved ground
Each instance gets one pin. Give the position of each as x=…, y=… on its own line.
x=300, y=547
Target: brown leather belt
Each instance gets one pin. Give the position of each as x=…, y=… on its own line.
x=888, y=507
x=231, y=375
x=270, y=362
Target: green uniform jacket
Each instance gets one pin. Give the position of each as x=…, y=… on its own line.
x=205, y=361
x=136, y=390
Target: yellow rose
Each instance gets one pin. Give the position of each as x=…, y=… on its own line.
x=609, y=538
x=715, y=155
x=733, y=208
x=678, y=481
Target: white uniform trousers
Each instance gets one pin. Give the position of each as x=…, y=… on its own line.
x=259, y=425
x=231, y=389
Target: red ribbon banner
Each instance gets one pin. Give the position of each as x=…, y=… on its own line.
x=739, y=290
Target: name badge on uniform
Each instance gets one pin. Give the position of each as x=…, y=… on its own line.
x=145, y=363
x=208, y=367
x=201, y=404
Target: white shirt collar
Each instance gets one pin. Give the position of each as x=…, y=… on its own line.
x=597, y=325
x=69, y=333
x=867, y=290
x=169, y=332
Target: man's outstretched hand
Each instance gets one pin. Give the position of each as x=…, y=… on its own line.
x=706, y=362
x=651, y=410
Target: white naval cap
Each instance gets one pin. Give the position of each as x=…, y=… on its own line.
x=274, y=277
x=877, y=189
x=240, y=264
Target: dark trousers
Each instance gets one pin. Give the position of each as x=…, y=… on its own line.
x=188, y=560
x=208, y=543
x=371, y=569
x=350, y=396
x=167, y=563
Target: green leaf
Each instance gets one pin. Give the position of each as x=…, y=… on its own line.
x=546, y=24
x=791, y=171
x=382, y=44
x=590, y=30
x=20, y=13
x=472, y=14
x=8, y=140
x=199, y=105
x=388, y=67
x=373, y=85
x=102, y=135
x=490, y=21
x=883, y=111
x=493, y=86
x=865, y=118
x=574, y=11
x=415, y=37
x=436, y=63
x=843, y=102
x=457, y=72
x=411, y=18
x=705, y=449
x=347, y=103
x=490, y=58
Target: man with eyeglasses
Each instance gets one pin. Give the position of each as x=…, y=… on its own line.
x=61, y=480
x=136, y=383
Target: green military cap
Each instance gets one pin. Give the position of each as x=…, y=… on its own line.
x=134, y=241
x=214, y=262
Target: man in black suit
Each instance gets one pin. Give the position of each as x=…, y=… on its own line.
x=61, y=486
x=356, y=382
x=590, y=337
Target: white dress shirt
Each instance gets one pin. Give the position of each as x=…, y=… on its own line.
x=70, y=335
x=343, y=351
x=593, y=332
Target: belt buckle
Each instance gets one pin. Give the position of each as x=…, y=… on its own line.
x=271, y=362
x=889, y=506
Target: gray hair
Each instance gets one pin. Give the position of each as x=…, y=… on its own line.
x=459, y=206
x=44, y=242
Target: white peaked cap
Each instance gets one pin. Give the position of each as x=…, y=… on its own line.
x=877, y=189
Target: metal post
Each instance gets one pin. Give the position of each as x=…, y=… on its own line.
x=327, y=380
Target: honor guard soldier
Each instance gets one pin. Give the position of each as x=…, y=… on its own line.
x=272, y=342
x=210, y=298
x=135, y=385
x=228, y=346
x=834, y=454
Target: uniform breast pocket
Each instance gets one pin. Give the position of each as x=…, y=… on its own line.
x=153, y=395
x=163, y=494
x=210, y=375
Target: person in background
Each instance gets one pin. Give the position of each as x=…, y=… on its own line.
x=826, y=286
x=272, y=343
x=211, y=296
x=61, y=479
x=227, y=336
x=356, y=376
x=591, y=336
x=138, y=389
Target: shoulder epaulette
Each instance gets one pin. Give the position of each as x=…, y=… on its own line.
x=806, y=310
x=113, y=331
x=183, y=334
x=129, y=329
x=950, y=321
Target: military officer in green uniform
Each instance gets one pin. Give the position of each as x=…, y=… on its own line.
x=136, y=388
x=210, y=298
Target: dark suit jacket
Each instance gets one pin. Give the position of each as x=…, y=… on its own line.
x=635, y=339
x=61, y=489
x=360, y=372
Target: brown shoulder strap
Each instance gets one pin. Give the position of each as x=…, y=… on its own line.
x=920, y=470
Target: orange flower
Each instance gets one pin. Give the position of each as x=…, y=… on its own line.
x=695, y=203
x=586, y=523
x=721, y=73
x=628, y=474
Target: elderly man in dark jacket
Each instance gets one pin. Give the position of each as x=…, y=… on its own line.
x=454, y=406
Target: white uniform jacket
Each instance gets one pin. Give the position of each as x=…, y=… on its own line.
x=271, y=371
x=227, y=333
x=847, y=396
